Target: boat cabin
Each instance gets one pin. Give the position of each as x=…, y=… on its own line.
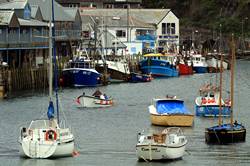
x=80, y=63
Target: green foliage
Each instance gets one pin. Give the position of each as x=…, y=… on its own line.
x=209, y=13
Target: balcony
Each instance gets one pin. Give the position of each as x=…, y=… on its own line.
x=34, y=38
x=146, y=37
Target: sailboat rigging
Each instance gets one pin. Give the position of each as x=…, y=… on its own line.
x=232, y=132
x=45, y=138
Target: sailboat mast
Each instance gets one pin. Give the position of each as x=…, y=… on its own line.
x=232, y=80
x=54, y=59
x=50, y=62
x=220, y=96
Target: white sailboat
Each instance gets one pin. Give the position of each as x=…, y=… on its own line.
x=46, y=138
x=170, y=144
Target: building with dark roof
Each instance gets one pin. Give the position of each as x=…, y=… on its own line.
x=24, y=30
x=101, y=3
x=154, y=28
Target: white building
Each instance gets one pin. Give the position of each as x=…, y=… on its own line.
x=153, y=28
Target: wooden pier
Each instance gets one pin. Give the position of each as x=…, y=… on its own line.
x=22, y=79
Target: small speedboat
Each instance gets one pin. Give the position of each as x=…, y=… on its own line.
x=169, y=144
x=95, y=100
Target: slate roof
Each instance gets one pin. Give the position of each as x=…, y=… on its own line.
x=45, y=7
x=71, y=12
x=34, y=9
x=17, y=4
x=151, y=16
x=5, y=17
x=31, y=22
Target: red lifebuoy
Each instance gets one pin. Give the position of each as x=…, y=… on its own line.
x=50, y=135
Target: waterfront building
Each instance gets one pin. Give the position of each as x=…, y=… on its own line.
x=101, y=3
x=24, y=31
x=153, y=28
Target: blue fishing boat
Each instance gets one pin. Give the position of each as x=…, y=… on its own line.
x=159, y=65
x=138, y=77
x=208, y=103
x=199, y=63
x=80, y=72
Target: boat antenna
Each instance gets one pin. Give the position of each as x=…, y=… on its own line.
x=54, y=59
x=232, y=79
x=220, y=95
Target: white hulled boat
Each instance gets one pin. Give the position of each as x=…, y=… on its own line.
x=170, y=144
x=94, y=101
x=46, y=138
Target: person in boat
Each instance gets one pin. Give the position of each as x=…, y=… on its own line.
x=102, y=97
x=105, y=96
x=97, y=93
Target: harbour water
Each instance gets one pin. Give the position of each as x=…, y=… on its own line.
x=107, y=137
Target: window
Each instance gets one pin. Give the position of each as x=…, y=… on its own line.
x=168, y=28
x=172, y=28
x=120, y=33
x=163, y=28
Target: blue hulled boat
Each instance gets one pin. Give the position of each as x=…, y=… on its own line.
x=199, y=63
x=80, y=72
x=138, y=77
x=207, y=104
x=159, y=65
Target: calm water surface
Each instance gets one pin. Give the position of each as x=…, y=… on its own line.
x=107, y=137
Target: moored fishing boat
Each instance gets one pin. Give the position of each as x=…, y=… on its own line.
x=159, y=65
x=185, y=67
x=214, y=65
x=170, y=112
x=117, y=67
x=80, y=72
x=169, y=144
x=199, y=63
x=232, y=132
x=208, y=104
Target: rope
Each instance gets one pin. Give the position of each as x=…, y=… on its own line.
x=216, y=136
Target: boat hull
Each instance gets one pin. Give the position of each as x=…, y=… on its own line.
x=116, y=69
x=160, y=71
x=172, y=120
x=225, y=136
x=185, y=69
x=79, y=77
x=136, y=77
x=93, y=102
x=212, y=111
x=200, y=69
x=159, y=152
x=45, y=149
x=157, y=67
x=214, y=65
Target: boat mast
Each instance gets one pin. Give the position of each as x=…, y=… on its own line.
x=220, y=95
x=54, y=59
x=232, y=80
x=50, y=62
